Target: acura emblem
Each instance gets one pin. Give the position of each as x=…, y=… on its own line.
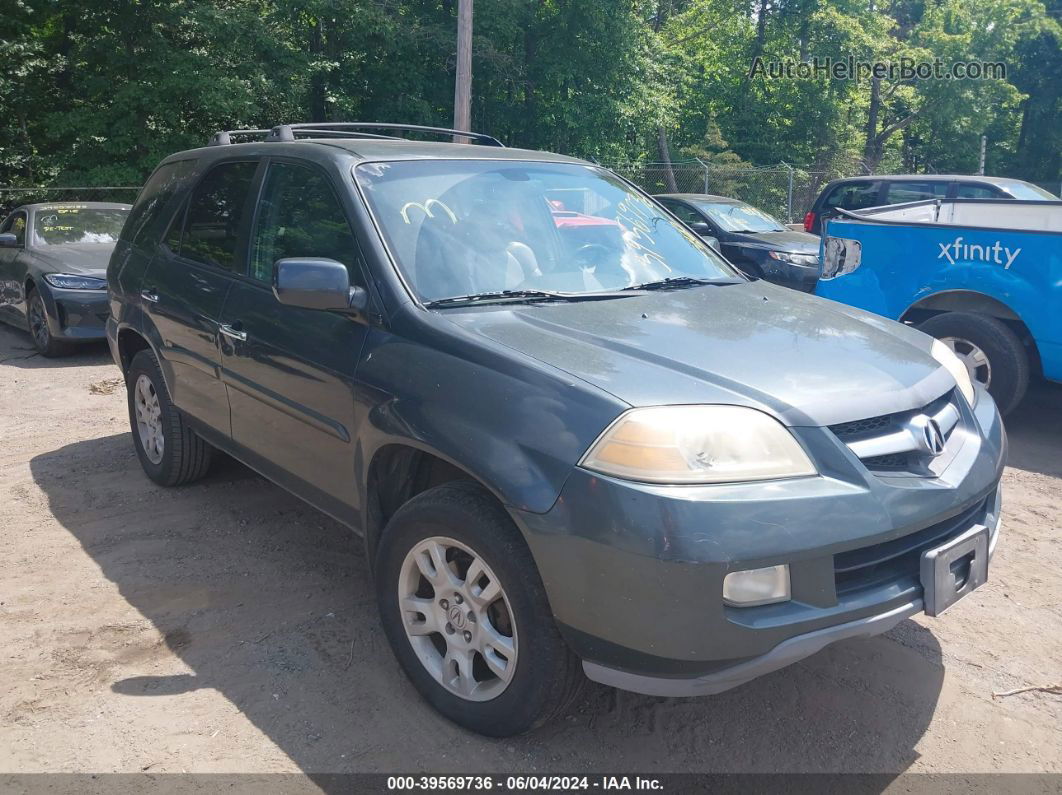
x=932, y=436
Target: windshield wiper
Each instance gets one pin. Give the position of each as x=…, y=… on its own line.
x=677, y=282
x=517, y=296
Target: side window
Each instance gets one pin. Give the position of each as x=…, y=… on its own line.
x=854, y=195
x=300, y=216
x=685, y=214
x=900, y=192
x=146, y=220
x=968, y=190
x=173, y=236
x=215, y=209
x=16, y=225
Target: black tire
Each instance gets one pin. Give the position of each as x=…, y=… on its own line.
x=39, y=331
x=543, y=683
x=1007, y=358
x=184, y=456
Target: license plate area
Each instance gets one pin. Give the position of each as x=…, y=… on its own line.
x=952, y=570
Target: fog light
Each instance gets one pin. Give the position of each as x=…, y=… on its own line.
x=757, y=586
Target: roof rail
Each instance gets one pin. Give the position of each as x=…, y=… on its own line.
x=352, y=129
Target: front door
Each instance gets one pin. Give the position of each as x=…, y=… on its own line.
x=290, y=371
x=186, y=285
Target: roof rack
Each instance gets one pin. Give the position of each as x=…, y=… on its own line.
x=224, y=137
x=354, y=129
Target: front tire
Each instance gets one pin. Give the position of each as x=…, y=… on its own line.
x=170, y=452
x=40, y=331
x=992, y=353
x=466, y=613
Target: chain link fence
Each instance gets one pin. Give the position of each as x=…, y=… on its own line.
x=782, y=191
x=11, y=197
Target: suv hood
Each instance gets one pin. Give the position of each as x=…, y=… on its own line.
x=807, y=360
x=87, y=259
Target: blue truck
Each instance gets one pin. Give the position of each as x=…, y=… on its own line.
x=983, y=276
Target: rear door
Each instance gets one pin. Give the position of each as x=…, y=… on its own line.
x=12, y=270
x=289, y=371
x=186, y=284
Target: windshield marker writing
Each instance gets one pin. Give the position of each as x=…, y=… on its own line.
x=999, y=254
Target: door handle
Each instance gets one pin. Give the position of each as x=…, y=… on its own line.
x=150, y=295
x=231, y=331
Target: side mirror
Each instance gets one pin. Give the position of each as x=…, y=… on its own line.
x=8, y=240
x=712, y=241
x=317, y=284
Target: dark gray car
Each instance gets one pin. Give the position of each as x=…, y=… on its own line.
x=573, y=438
x=759, y=245
x=53, y=268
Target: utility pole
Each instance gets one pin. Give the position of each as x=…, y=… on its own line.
x=981, y=167
x=463, y=83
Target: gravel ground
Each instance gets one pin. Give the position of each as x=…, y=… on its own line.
x=228, y=627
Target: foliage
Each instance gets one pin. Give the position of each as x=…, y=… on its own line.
x=97, y=91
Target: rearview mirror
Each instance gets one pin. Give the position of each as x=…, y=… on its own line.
x=701, y=228
x=317, y=284
x=8, y=240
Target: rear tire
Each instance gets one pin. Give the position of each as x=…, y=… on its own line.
x=40, y=331
x=990, y=349
x=170, y=452
x=463, y=522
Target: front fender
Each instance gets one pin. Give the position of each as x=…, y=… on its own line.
x=516, y=425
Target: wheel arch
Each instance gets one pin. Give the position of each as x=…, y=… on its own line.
x=398, y=471
x=973, y=302
x=130, y=342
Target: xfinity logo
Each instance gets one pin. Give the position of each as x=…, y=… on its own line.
x=957, y=250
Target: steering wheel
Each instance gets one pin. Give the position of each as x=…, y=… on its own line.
x=591, y=254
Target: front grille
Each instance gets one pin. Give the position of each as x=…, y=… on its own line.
x=868, y=426
x=891, y=443
x=894, y=461
x=901, y=557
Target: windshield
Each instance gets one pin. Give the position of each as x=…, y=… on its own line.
x=463, y=227
x=1026, y=191
x=739, y=217
x=57, y=226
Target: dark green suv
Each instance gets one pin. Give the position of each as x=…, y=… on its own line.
x=574, y=438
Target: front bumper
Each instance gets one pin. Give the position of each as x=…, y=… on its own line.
x=785, y=653
x=634, y=572
x=76, y=315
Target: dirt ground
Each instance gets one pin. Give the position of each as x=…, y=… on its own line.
x=228, y=627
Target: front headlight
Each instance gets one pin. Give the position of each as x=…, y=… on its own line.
x=68, y=281
x=697, y=444
x=946, y=356
x=806, y=260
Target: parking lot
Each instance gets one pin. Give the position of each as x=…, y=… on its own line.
x=226, y=626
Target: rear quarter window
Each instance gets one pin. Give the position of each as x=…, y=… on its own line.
x=854, y=195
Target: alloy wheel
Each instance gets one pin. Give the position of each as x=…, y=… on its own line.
x=975, y=359
x=457, y=618
x=149, y=419
x=38, y=321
